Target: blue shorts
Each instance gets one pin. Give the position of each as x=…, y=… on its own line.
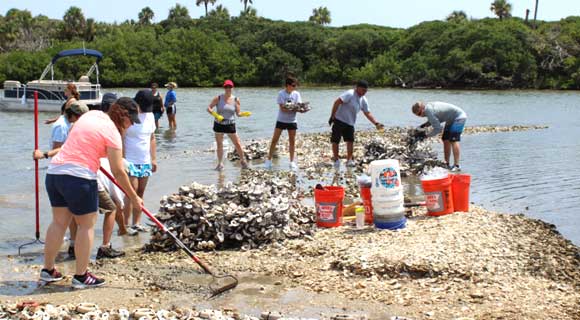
x=157, y=115
x=453, y=131
x=80, y=196
x=140, y=170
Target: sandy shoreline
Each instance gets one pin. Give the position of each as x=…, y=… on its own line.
x=476, y=265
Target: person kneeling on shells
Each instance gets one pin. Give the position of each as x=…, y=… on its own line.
x=343, y=118
x=227, y=106
x=454, y=119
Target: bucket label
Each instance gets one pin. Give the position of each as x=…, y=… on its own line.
x=434, y=201
x=326, y=211
x=388, y=178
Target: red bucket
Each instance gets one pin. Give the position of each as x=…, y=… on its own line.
x=438, y=196
x=365, y=194
x=329, y=206
x=460, y=187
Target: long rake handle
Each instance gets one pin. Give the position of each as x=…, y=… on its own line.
x=37, y=230
x=161, y=226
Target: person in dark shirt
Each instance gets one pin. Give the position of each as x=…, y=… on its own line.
x=158, y=107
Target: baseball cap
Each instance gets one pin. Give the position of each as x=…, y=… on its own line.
x=78, y=108
x=108, y=99
x=228, y=82
x=173, y=84
x=131, y=106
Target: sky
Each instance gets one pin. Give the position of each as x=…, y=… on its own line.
x=400, y=13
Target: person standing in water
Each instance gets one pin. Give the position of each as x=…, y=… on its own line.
x=170, y=104
x=227, y=106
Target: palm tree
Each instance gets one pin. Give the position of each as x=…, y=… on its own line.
x=457, y=16
x=91, y=30
x=245, y=2
x=249, y=13
x=501, y=8
x=535, y=13
x=145, y=16
x=178, y=12
x=205, y=2
x=320, y=16
x=74, y=22
x=220, y=12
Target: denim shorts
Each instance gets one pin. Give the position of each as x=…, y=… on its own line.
x=140, y=170
x=79, y=195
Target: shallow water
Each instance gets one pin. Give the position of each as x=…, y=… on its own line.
x=533, y=172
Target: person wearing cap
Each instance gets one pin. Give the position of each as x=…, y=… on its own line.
x=158, y=108
x=286, y=121
x=170, y=106
x=226, y=106
x=72, y=187
x=454, y=119
x=107, y=101
x=343, y=118
x=140, y=150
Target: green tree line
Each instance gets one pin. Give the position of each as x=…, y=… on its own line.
x=254, y=51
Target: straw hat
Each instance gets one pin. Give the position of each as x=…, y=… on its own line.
x=171, y=84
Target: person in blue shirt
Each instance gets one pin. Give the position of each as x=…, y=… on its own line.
x=170, y=106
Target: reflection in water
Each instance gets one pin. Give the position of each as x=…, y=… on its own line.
x=169, y=135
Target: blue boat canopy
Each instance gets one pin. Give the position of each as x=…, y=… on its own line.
x=78, y=52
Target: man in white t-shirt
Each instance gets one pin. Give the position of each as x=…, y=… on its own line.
x=343, y=118
x=139, y=146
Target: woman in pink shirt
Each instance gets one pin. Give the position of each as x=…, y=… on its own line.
x=71, y=184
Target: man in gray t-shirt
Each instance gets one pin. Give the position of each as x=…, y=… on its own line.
x=343, y=118
x=454, y=119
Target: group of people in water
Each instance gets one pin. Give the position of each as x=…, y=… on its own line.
x=120, y=137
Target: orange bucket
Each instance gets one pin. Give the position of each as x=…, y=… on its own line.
x=438, y=196
x=328, y=202
x=460, y=187
x=365, y=194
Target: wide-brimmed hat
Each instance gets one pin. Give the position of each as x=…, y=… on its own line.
x=78, y=108
x=228, y=82
x=171, y=84
x=131, y=106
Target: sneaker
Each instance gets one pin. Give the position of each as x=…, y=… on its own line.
x=293, y=165
x=337, y=164
x=50, y=275
x=268, y=164
x=130, y=232
x=109, y=252
x=87, y=280
x=140, y=228
x=455, y=168
x=350, y=163
x=71, y=252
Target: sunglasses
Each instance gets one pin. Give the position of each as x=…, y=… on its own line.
x=228, y=87
x=294, y=85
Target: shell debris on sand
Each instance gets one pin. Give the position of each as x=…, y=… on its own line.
x=261, y=208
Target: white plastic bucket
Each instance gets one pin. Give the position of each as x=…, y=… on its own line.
x=386, y=177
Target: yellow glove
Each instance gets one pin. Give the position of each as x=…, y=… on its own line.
x=380, y=127
x=217, y=116
x=245, y=114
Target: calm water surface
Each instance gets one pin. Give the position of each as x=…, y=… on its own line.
x=533, y=172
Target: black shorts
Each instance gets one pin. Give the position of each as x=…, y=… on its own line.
x=341, y=130
x=171, y=110
x=79, y=195
x=224, y=128
x=286, y=126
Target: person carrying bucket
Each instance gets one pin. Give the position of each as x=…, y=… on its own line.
x=454, y=118
x=343, y=118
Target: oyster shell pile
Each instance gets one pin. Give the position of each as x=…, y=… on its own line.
x=252, y=151
x=298, y=107
x=261, y=208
